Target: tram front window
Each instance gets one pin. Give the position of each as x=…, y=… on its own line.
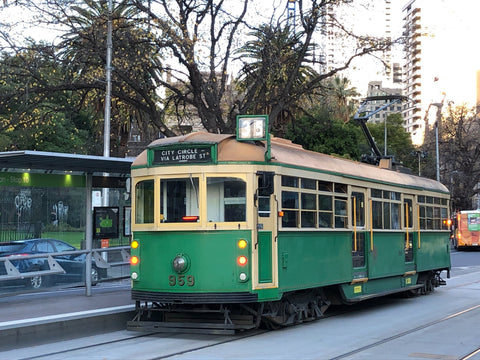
x=226, y=199
x=144, y=202
x=179, y=200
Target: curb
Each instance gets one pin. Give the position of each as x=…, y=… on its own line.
x=36, y=331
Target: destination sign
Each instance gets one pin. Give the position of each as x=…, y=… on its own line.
x=186, y=155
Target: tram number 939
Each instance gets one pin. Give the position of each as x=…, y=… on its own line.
x=181, y=280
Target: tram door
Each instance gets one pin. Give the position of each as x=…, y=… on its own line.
x=358, y=214
x=265, y=246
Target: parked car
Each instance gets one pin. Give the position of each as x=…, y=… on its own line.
x=73, y=264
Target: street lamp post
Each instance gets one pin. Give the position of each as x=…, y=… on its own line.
x=421, y=155
x=437, y=122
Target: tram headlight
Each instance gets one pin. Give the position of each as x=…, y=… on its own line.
x=181, y=263
x=134, y=276
x=243, y=277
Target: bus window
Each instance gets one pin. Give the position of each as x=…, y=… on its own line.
x=178, y=199
x=226, y=199
x=144, y=198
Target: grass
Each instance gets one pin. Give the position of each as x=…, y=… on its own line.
x=74, y=238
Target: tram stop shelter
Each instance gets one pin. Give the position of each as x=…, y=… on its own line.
x=48, y=191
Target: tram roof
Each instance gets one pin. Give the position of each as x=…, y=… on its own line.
x=285, y=152
x=52, y=162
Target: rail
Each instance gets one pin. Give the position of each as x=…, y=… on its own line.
x=12, y=271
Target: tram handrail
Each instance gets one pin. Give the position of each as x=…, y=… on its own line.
x=12, y=273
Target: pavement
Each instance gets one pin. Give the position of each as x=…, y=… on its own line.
x=35, y=318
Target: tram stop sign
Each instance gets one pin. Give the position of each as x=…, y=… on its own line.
x=105, y=220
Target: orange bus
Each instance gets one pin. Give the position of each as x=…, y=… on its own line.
x=467, y=230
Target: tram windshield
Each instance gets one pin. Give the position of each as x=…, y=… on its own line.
x=179, y=200
x=226, y=200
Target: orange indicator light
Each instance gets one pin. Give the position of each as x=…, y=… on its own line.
x=134, y=244
x=134, y=260
x=242, y=244
x=190, y=218
x=242, y=260
x=280, y=214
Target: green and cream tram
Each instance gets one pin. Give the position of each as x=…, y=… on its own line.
x=230, y=232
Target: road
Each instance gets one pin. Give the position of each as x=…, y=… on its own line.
x=442, y=325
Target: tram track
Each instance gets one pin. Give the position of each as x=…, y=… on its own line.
x=213, y=342
x=410, y=332
x=79, y=348
x=65, y=353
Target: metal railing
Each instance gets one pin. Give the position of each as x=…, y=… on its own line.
x=12, y=271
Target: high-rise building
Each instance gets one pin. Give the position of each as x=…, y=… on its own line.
x=376, y=89
x=440, y=63
x=413, y=113
x=367, y=18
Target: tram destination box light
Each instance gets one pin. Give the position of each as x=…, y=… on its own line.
x=252, y=127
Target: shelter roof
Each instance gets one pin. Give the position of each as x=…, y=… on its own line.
x=51, y=162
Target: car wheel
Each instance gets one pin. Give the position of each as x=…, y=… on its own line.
x=36, y=282
x=94, y=275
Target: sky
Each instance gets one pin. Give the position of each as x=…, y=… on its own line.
x=454, y=52
x=450, y=51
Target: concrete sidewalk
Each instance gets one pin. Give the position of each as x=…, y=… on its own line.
x=36, y=318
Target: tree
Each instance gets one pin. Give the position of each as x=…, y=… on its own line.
x=399, y=142
x=136, y=65
x=39, y=121
x=460, y=154
x=200, y=39
x=339, y=97
x=326, y=134
x=77, y=66
x=202, y=36
x=272, y=53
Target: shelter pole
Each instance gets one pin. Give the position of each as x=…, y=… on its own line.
x=88, y=234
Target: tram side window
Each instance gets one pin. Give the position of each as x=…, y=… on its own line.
x=178, y=199
x=385, y=209
x=290, y=209
x=432, y=211
x=290, y=181
x=314, y=203
x=309, y=209
x=144, y=199
x=226, y=199
x=325, y=211
x=341, y=213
